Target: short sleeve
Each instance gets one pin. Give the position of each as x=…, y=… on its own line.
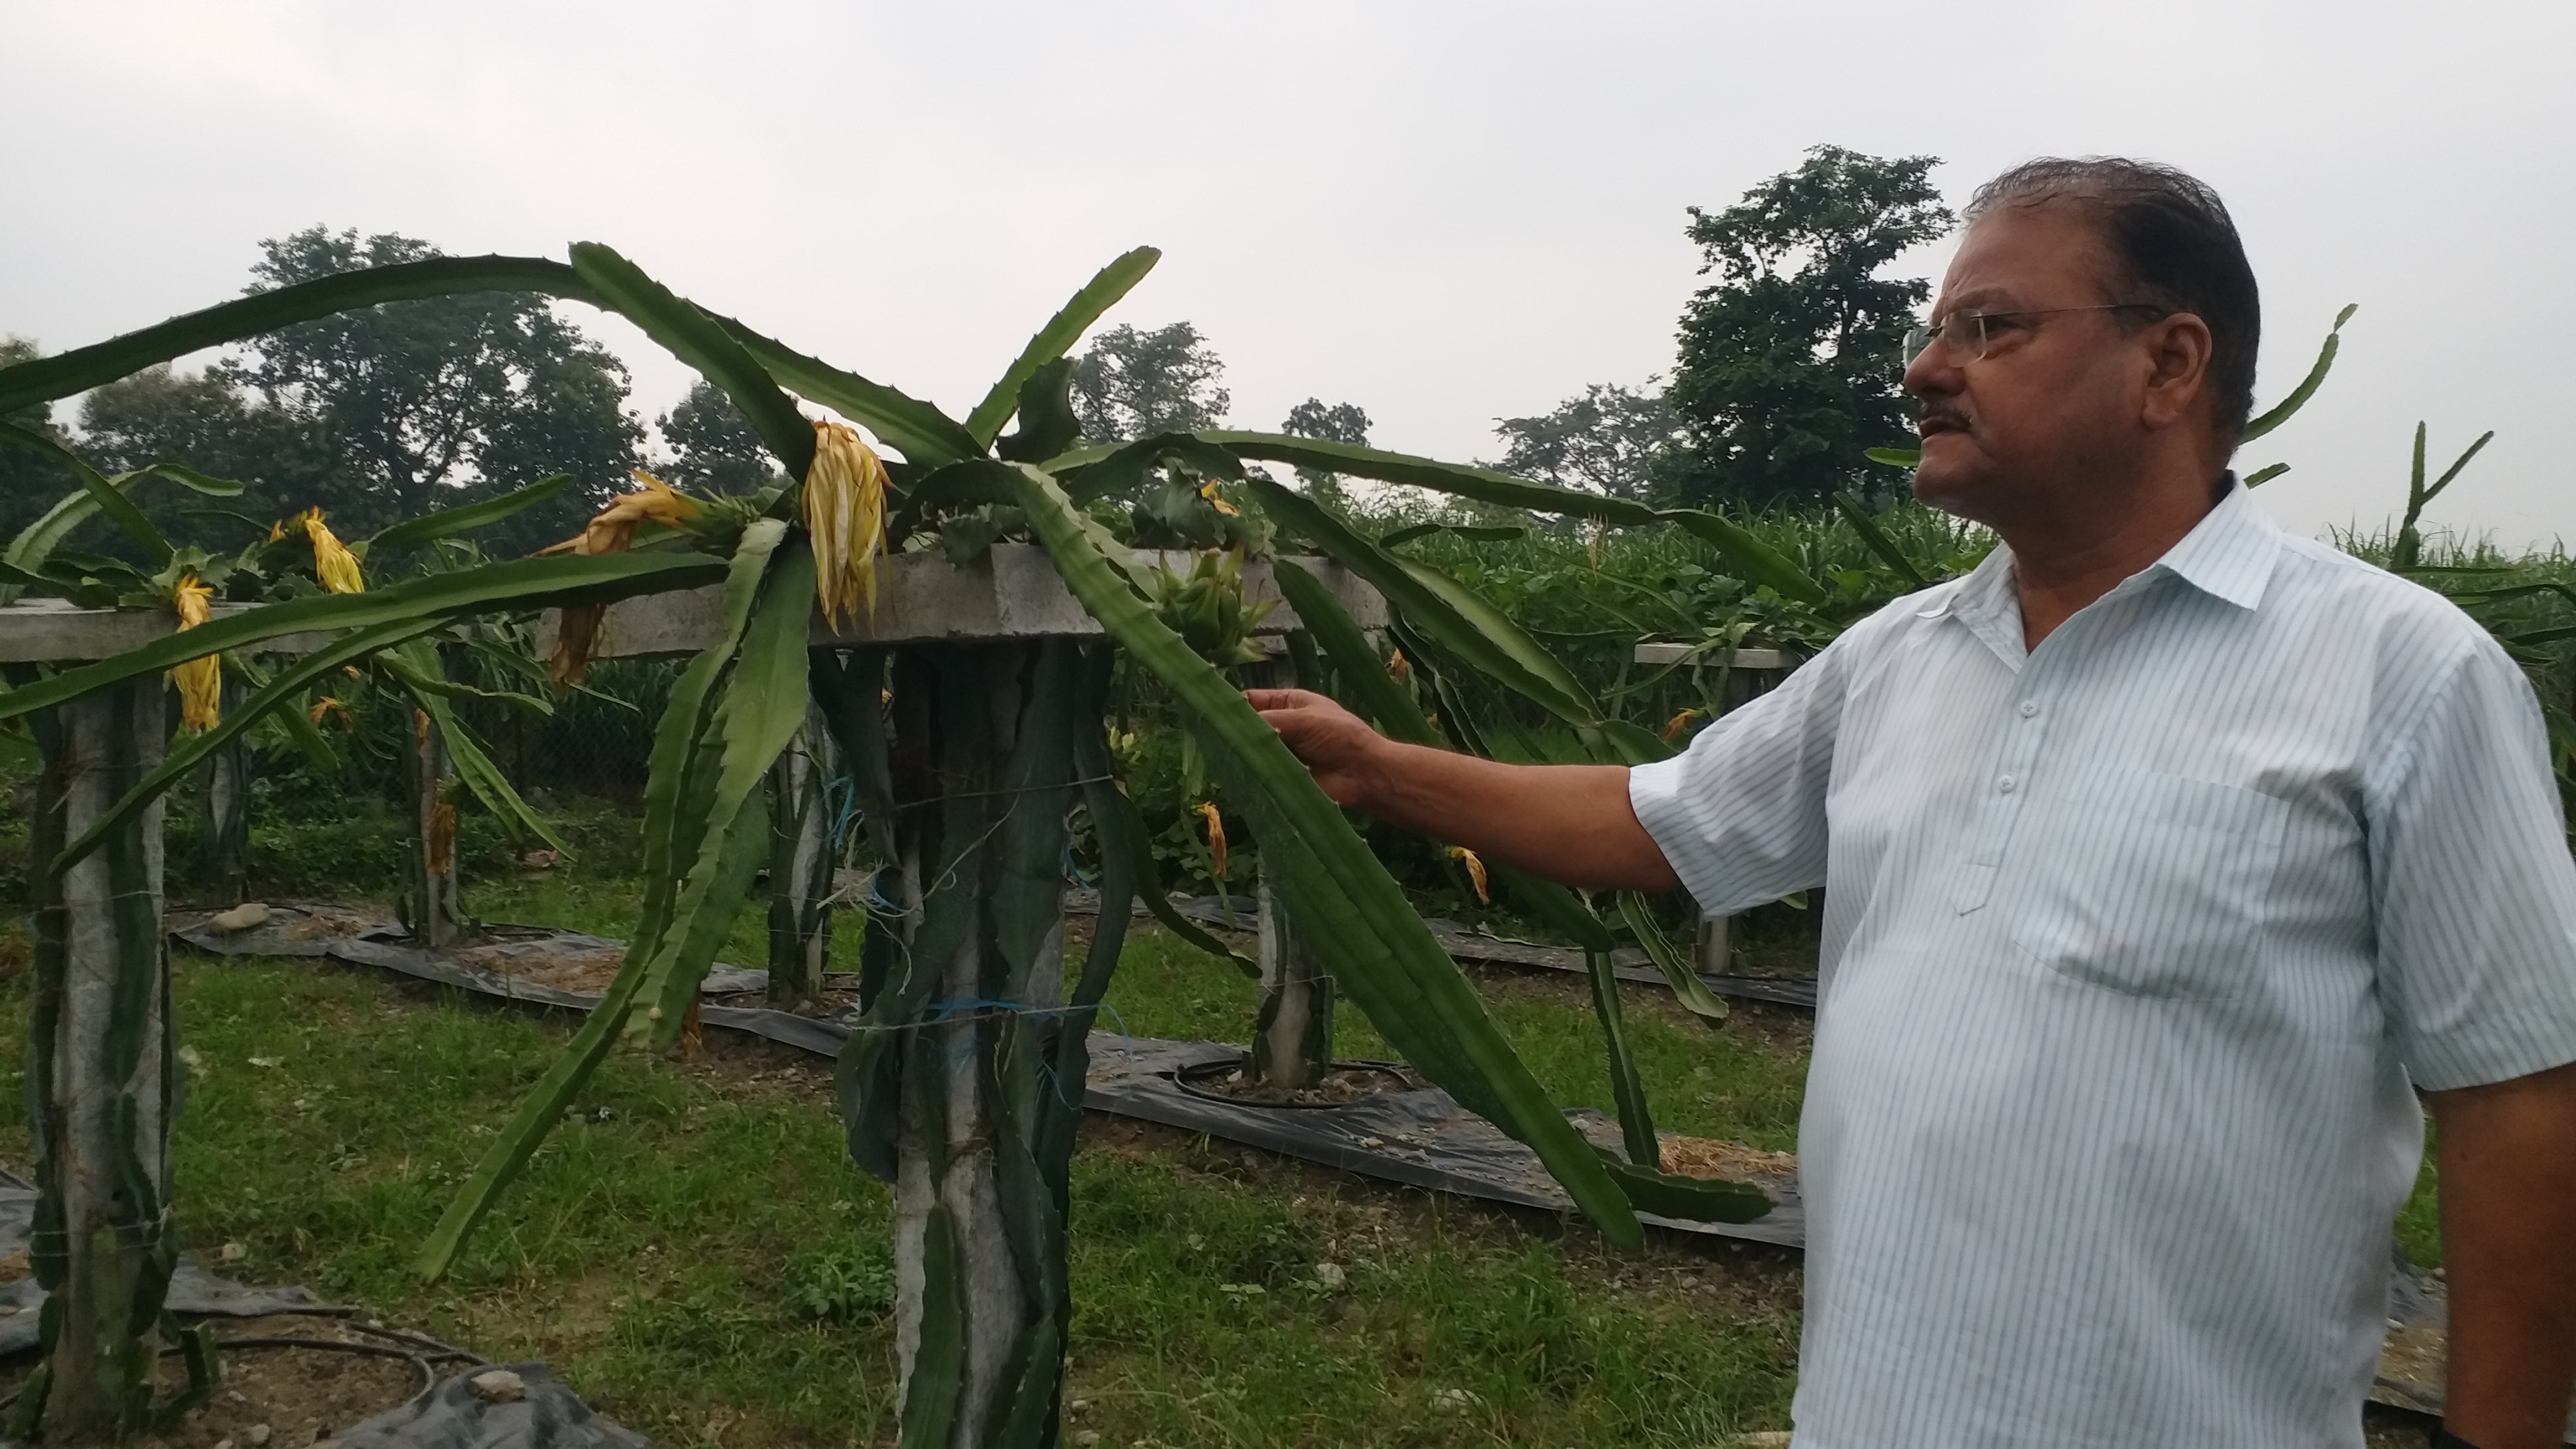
x=1740, y=815
x=2474, y=892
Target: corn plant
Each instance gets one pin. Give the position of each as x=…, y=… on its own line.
x=2527, y=615
x=961, y=1082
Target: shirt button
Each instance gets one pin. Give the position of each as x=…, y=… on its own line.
x=2004, y=785
x=2029, y=708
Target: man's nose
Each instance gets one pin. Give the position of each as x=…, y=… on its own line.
x=1930, y=373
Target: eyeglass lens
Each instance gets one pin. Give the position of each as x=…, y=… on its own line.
x=1963, y=333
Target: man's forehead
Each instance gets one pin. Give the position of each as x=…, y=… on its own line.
x=2009, y=255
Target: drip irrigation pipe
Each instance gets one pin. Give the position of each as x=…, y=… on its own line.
x=428, y=1370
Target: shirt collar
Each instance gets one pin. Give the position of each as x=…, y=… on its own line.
x=2228, y=555
x=2230, y=552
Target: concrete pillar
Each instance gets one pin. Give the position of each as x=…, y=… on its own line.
x=437, y=916
x=800, y=867
x=99, y=1063
x=1292, y=1041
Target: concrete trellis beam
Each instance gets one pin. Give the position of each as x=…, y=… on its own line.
x=1012, y=594
x=56, y=631
x=1754, y=659
x=1714, y=951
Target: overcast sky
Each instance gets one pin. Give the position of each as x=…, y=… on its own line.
x=1445, y=213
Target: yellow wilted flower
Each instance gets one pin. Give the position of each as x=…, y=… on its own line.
x=613, y=528
x=1475, y=872
x=1215, y=837
x=1208, y=492
x=327, y=705
x=576, y=635
x=845, y=516
x=1396, y=665
x=333, y=564
x=200, y=681
x=1673, y=730
x=610, y=531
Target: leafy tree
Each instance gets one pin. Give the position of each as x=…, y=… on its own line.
x=283, y=461
x=1789, y=365
x=714, y=447
x=1610, y=439
x=1130, y=384
x=436, y=402
x=1334, y=423
x=29, y=482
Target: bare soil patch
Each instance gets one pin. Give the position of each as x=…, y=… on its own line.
x=291, y=1397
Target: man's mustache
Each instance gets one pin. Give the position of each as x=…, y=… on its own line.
x=1943, y=414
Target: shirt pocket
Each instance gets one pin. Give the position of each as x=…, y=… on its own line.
x=2149, y=884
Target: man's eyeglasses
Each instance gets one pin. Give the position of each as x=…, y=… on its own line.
x=1971, y=335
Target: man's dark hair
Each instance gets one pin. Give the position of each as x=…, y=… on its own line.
x=2172, y=243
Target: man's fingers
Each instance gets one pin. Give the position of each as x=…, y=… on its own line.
x=1266, y=700
x=1297, y=726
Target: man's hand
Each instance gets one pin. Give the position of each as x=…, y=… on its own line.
x=1331, y=741
x=1569, y=823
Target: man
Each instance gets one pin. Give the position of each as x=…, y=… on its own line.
x=2163, y=854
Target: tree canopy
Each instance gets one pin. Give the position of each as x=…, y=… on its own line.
x=1334, y=423
x=1130, y=384
x=432, y=403
x=1608, y=440
x=714, y=448
x=29, y=482
x=1789, y=360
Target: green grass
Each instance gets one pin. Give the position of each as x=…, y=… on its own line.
x=1724, y=1083
x=670, y=1248
x=2419, y=1223
x=695, y=1252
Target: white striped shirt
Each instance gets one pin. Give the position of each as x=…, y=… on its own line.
x=2132, y=946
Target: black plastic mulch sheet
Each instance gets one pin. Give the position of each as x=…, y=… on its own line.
x=1627, y=963
x=526, y=1409
x=1421, y=1137
x=448, y=1416
x=194, y=1292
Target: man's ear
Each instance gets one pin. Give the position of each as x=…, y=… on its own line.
x=2177, y=351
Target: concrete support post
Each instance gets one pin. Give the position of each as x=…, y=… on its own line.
x=1715, y=951
x=1292, y=1041
x=437, y=917
x=982, y=777
x=800, y=867
x=99, y=1064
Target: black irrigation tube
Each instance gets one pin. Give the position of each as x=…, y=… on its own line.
x=426, y=1363
x=437, y=1349
x=428, y=1370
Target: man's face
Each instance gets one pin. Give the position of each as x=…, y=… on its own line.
x=2053, y=399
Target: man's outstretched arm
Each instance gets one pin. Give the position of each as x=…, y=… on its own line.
x=1569, y=823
